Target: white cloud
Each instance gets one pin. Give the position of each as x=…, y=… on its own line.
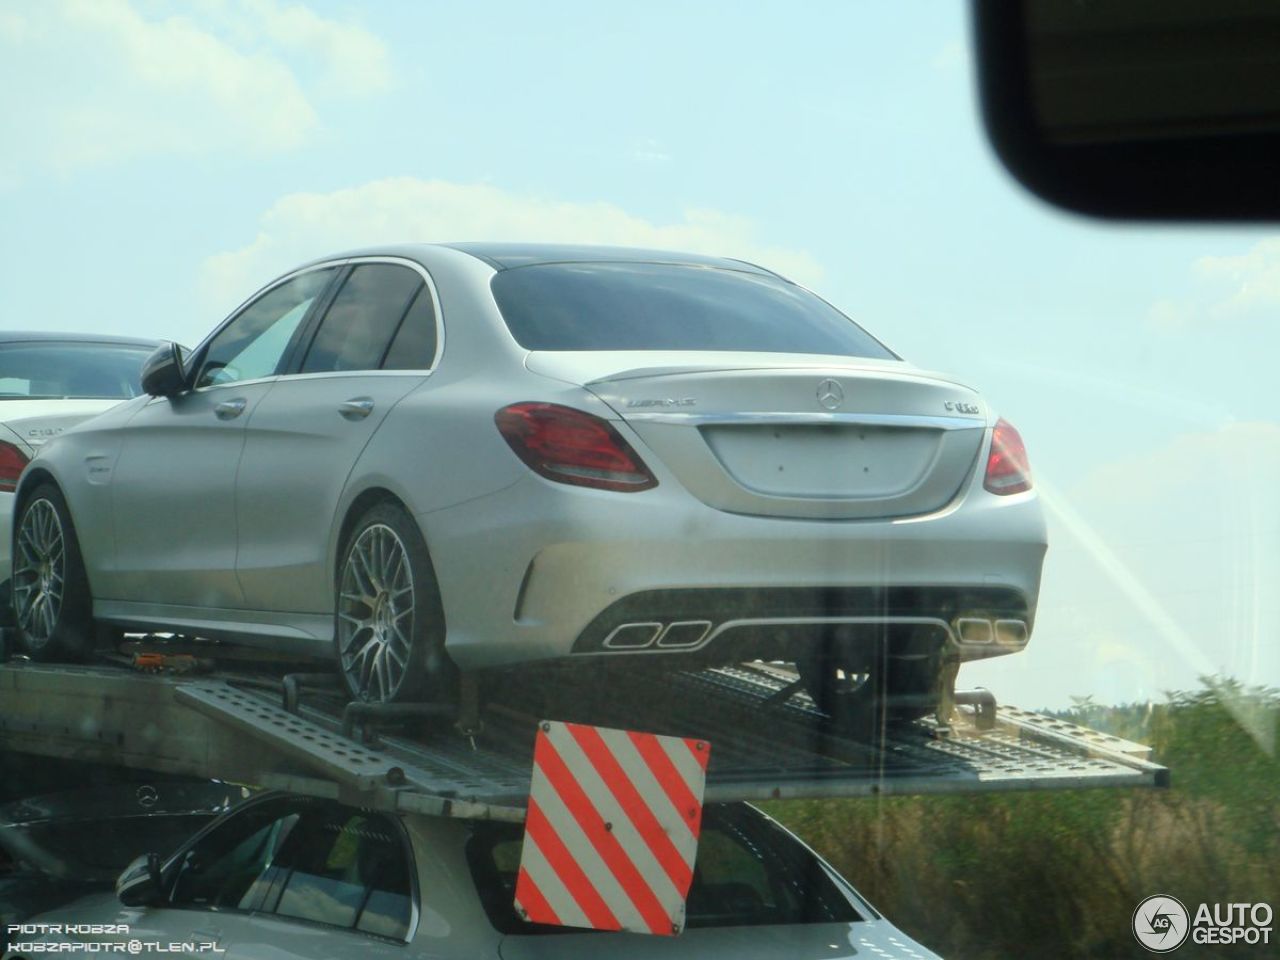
x=352, y=60
x=1238, y=288
x=305, y=225
x=104, y=81
x=1254, y=278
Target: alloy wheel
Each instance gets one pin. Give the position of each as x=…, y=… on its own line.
x=39, y=574
x=376, y=613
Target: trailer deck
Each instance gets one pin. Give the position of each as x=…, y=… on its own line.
x=768, y=741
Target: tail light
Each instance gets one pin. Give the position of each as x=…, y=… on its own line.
x=570, y=446
x=1007, y=469
x=12, y=462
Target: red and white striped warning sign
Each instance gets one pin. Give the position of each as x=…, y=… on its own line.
x=612, y=828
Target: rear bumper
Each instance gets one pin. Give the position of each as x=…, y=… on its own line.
x=726, y=625
x=542, y=570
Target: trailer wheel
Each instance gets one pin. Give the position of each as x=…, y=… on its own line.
x=388, y=619
x=52, y=605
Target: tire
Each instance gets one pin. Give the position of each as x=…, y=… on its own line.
x=388, y=620
x=53, y=608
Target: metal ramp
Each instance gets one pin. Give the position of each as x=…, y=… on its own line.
x=766, y=744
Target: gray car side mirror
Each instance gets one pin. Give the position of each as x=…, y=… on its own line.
x=162, y=373
x=140, y=883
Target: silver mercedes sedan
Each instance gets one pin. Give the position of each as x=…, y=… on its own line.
x=437, y=459
x=292, y=878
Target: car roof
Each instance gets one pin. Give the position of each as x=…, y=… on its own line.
x=44, y=336
x=504, y=256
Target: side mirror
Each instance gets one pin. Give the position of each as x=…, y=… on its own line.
x=162, y=374
x=140, y=884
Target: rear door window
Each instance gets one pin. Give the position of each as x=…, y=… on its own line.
x=364, y=319
x=414, y=347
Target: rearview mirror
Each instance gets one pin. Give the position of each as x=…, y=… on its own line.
x=162, y=373
x=140, y=884
x=1149, y=109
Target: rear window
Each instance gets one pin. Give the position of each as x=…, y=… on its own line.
x=71, y=369
x=749, y=872
x=658, y=306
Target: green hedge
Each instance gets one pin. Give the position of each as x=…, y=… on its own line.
x=1058, y=874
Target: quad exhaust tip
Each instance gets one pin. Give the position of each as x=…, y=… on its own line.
x=679, y=635
x=979, y=631
x=966, y=632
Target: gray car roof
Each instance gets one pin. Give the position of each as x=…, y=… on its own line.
x=504, y=256
x=44, y=336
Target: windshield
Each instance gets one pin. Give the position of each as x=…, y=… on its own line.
x=658, y=306
x=71, y=369
x=748, y=873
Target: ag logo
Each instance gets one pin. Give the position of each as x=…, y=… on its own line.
x=1161, y=924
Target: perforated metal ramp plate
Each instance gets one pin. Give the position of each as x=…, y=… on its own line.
x=443, y=781
x=344, y=761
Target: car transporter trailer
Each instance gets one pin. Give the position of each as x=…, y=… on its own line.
x=295, y=733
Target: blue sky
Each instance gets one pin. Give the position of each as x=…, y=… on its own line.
x=163, y=159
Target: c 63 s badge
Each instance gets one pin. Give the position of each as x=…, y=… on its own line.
x=663, y=402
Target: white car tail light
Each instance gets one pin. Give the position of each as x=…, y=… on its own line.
x=1007, y=469
x=570, y=446
x=12, y=463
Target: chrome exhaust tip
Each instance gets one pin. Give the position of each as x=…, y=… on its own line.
x=632, y=636
x=683, y=634
x=1012, y=633
x=981, y=632
x=974, y=631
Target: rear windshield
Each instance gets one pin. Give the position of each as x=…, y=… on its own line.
x=659, y=306
x=71, y=369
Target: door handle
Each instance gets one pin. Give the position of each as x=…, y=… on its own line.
x=230, y=409
x=356, y=409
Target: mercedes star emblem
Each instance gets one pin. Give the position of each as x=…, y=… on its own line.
x=830, y=394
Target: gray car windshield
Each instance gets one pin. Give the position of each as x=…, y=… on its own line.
x=749, y=873
x=662, y=306
x=79, y=369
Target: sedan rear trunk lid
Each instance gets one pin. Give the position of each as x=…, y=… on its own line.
x=794, y=436
x=35, y=422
